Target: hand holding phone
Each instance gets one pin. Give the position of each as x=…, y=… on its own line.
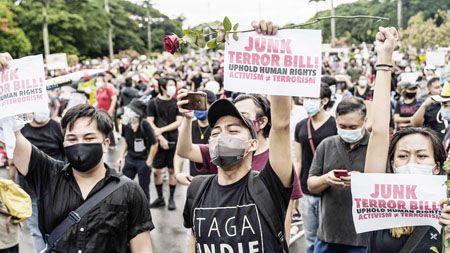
x=340, y=173
x=196, y=101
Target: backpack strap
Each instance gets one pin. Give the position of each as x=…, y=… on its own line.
x=195, y=191
x=75, y=216
x=310, y=137
x=414, y=239
x=263, y=200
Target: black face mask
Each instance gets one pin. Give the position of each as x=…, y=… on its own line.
x=410, y=94
x=84, y=156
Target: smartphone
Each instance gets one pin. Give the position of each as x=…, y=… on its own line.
x=341, y=173
x=197, y=101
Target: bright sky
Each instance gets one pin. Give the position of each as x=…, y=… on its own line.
x=243, y=11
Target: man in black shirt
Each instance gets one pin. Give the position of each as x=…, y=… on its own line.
x=44, y=133
x=121, y=219
x=233, y=222
x=163, y=116
x=139, y=145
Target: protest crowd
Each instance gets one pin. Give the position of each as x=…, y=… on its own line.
x=263, y=170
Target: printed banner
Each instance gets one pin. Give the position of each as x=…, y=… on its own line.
x=22, y=88
x=288, y=63
x=383, y=201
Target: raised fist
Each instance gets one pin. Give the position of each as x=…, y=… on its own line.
x=386, y=41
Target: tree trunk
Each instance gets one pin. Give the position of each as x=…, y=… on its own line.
x=45, y=28
x=110, y=40
x=399, y=14
x=333, y=25
x=149, y=29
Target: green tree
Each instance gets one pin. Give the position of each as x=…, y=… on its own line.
x=12, y=38
x=422, y=33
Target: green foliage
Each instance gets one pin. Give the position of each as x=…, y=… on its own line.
x=365, y=29
x=12, y=38
x=81, y=27
x=422, y=33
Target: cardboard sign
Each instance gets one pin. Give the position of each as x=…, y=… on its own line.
x=56, y=61
x=436, y=58
x=383, y=201
x=288, y=63
x=22, y=88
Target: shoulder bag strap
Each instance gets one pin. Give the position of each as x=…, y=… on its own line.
x=414, y=239
x=75, y=216
x=263, y=200
x=310, y=138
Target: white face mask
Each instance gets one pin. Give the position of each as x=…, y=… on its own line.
x=362, y=83
x=350, y=136
x=414, y=168
x=128, y=115
x=171, y=90
x=312, y=106
x=41, y=117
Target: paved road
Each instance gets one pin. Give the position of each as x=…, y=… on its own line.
x=169, y=236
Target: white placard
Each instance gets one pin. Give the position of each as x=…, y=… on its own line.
x=383, y=201
x=288, y=63
x=436, y=58
x=22, y=88
x=56, y=61
x=410, y=77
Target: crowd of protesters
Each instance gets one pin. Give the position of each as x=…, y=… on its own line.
x=368, y=113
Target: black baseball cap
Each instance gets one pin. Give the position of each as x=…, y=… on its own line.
x=138, y=107
x=224, y=107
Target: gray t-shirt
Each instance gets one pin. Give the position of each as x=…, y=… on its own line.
x=336, y=221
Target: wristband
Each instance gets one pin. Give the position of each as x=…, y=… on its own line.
x=383, y=65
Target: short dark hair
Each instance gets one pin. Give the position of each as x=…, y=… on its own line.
x=438, y=149
x=128, y=82
x=104, y=122
x=162, y=83
x=350, y=105
x=431, y=81
x=264, y=106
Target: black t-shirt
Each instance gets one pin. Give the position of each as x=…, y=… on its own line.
x=434, y=120
x=139, y=142
x=381, y=241
x=301, y=136
x=48, y=138
x=165, y=113
x=108, y=227
x=233, y=221
x=197, y=134
x=368, y=94
x=407, y=110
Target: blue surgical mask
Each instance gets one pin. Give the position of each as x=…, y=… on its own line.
x=201, y=115
x=350, y=136
x=312, y=106
x=445, y=113
x=414, y=168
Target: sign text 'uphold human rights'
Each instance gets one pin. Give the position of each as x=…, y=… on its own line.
x=288, y=63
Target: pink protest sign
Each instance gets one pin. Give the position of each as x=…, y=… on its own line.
x=288, y=63
x=22, y=88
x=382, y=201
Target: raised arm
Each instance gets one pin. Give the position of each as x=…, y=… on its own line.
x=377, y=150
x=22, y=150
x=279, y=139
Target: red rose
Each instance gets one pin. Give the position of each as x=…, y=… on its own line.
x=171, y=43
